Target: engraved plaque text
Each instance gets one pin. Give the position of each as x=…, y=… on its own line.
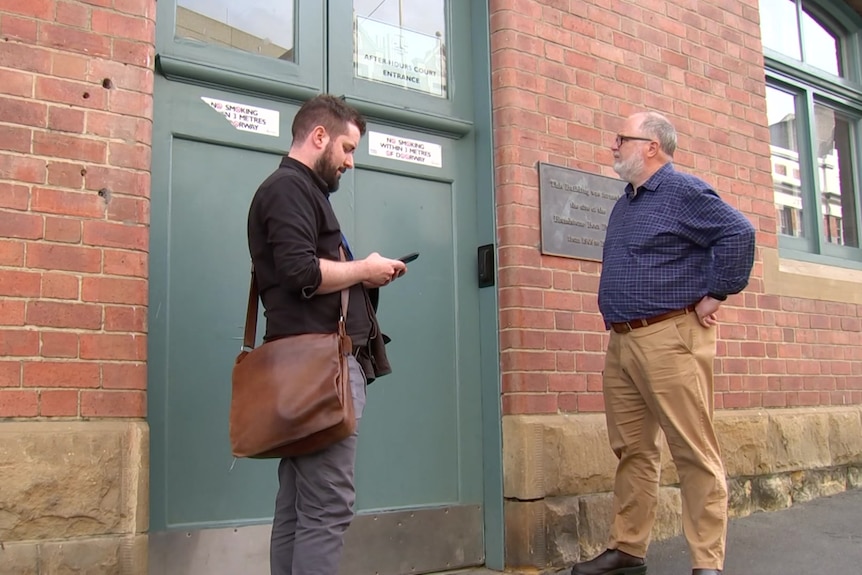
x=575, y=207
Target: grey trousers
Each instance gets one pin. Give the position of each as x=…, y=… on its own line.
x=314, y=505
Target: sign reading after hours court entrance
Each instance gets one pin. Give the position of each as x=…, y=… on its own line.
x=575, y=207
x=398, y=56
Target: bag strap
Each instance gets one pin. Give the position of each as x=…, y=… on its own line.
x=251, y=314
x=254, y=296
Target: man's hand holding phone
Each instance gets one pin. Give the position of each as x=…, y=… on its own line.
x=381, y=271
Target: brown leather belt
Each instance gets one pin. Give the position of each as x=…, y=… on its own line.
x=627, y=326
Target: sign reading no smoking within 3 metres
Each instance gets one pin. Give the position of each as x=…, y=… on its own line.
x=405, y=150
x=393, y=55
x=246, y=118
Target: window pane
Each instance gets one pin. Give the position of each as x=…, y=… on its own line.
x=835, y=172
x=821, y=46
x=779, y=27
x=402, y=43
x=258, y=26
x=786, y=176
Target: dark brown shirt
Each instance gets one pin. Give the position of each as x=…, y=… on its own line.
x=291, y=226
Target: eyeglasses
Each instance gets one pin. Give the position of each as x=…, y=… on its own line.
x=620, y=140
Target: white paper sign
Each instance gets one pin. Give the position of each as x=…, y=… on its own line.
x=393, y=55
x=405, y=150
x=247, y=118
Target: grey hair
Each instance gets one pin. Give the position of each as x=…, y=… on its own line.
x=660, y=128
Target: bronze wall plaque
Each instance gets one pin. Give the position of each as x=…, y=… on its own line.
x=575, y=207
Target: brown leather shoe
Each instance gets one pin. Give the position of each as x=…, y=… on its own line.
x=705, y=572
x=612, y=562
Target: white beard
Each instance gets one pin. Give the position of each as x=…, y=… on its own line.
x=630, y=169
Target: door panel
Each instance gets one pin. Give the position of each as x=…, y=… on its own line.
x=419, y=465
x=208, y=269
x=420, y=443
x=205, y=174
x=410, y=433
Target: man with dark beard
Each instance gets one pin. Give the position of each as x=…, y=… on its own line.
x=673, y=253
x=294, y=239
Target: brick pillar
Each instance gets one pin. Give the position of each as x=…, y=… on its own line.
x=564, y=77
x=76, y=84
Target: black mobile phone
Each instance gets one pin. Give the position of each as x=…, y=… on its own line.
x=409, y=257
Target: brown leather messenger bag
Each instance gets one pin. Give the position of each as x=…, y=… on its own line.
x=290, y=396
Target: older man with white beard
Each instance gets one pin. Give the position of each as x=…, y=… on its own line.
x=673, y=253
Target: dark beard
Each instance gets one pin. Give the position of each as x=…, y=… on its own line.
x=326, y=169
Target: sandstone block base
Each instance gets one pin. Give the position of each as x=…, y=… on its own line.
x=559, y=531
x=89, y=556
x=558, y=475
x=74, y=497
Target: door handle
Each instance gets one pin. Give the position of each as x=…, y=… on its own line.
x=486, y=265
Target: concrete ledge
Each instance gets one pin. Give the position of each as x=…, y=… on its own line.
x=74, y=496
x=794, y=278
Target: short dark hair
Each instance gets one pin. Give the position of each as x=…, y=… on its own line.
x=329, y=111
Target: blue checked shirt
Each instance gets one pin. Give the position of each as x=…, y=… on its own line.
x=668, y=244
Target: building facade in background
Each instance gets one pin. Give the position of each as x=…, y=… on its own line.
x=132, y=137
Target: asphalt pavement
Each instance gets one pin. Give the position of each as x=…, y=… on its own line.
x=823, y=536
x=819, y=537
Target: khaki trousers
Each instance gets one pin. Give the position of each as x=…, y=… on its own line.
x=660, y=377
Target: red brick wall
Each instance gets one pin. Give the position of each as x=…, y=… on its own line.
x=565, y=74
x=76, y=86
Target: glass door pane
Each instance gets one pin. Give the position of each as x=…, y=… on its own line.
x=266, y=47
x=256, y=26
x=404, y=58
x=401, y=43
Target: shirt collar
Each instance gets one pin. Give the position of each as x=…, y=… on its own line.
x=653, y=182
x=287, y=162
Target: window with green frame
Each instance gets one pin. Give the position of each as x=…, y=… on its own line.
x=814, y=109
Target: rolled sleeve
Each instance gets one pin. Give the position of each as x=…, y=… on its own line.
x=292, y=221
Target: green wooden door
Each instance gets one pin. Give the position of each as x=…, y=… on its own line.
x=222, y=122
